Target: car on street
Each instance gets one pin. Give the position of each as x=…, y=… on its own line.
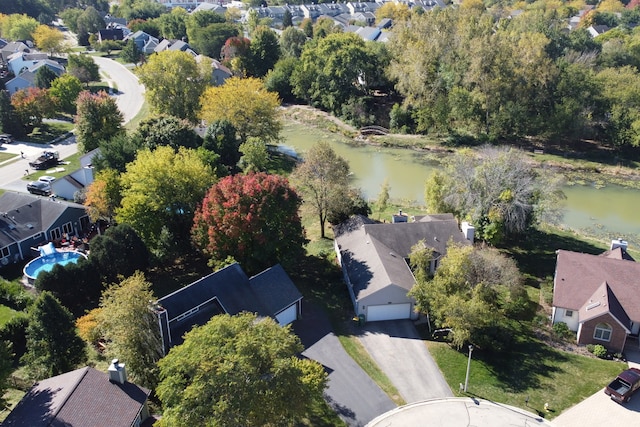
x=5, y=138
x=39, y=188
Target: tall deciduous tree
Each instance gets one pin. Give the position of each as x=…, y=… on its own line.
x=322, y=179
x=103, y=196
x=292, y=40
x=119, y=252
x=48, y=39
x=31, y=106
x=247, y=105
x=130, y=328
x=253, y=218
x=499, y=191
x=83, y=67
x=18, y=27
x=222, y=139
x=330, y=71
x=98, y=119
x=8, y=121
x=164, y=130
x=116, y=152
x=174, y=83
x=265, y=50
x=89, y=22
x=238, y=371
x=130, y=52
x=6, y=366
x=44, y=77
x=469, y=292
x=53, y=346
x=65, y=90
x=161, y=190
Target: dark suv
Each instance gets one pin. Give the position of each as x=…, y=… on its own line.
x=39, y=187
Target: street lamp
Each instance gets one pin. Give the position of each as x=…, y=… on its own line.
x=466, y=380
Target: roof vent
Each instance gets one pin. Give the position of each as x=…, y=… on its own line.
x=593, y=305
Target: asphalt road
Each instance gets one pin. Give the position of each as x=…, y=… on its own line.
x=128, y=91
x=351, y=392
x=397, y=349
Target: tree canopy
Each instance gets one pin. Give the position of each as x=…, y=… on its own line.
x=165, y=130
x=160, y=192
x=322, y=179
x=252, y=218
x=53, y=346
x=173, y=83
x=130, y=328
x=473, y=292
x=119, y=252
x=250, y=375
x=499, y=192
x=98, y=119
x=247, y=105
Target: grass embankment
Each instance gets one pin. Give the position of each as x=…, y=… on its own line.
x=48, y=131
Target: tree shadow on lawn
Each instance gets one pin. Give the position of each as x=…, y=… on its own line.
x=520, y=366
x=535, y=253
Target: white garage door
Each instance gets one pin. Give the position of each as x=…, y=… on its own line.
x=288, y=315
x=388, y=312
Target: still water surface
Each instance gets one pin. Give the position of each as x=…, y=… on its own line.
x=605, y=213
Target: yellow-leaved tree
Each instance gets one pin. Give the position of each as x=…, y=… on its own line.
x=247, y=105
x=48, y=39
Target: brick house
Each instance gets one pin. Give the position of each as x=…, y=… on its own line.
x=598, y=296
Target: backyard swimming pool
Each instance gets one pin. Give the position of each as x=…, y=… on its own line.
x=46, y=263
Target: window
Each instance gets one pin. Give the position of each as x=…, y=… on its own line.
x=568, y=313
x=5, y=252
x=67, y=228
x=55, y=234
x=37, y=236
x=602, y=332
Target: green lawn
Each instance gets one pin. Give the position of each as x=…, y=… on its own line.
x=6, y=314
x=70, y=164
x=48, y=131
x=529, y=370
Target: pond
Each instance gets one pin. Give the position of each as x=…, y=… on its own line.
x=604, y=213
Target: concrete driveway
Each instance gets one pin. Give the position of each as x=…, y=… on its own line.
x=398, y=350
x=599, y=410
x=351, y=393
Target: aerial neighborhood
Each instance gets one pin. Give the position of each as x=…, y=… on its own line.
x=259, y=213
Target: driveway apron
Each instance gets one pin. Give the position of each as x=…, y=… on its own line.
x=398, y=350
x=351, y=392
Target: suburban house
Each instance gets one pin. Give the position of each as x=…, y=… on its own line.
x=85, y=397
x=180, y=45
x=598, y=296
x=11, y=48
x=20, y=62
x=145, y=43
x=228, y=290
x=115, y=34
x=26, y=78
x=374, y=259
x=219, y=73
x=28, y=221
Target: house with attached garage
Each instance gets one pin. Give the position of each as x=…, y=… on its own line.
x=227, y=291
x=28, y=221
x=84, y=397
x=598, y=296
x=374, y=259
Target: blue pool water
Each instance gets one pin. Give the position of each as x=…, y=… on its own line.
x=46, y=262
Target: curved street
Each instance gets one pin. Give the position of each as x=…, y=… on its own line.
x=127, y=90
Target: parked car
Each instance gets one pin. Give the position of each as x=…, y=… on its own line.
x=5, y=138
x=46, y=160
x=622, y=388
x=47, y=179
x=39, y=187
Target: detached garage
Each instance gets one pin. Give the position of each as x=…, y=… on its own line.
x=374, y=260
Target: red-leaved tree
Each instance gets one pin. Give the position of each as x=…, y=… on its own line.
x=32, y=105
x=252, y=218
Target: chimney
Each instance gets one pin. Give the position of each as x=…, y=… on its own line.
x=117, y=372
x=468, y=230
x=619, y=243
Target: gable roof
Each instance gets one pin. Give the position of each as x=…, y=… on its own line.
x=275, y=289
x=374, y=253
x=579, y=276
x=54, y=66
x=22, y=215
x=84, y=397
x=601, y=302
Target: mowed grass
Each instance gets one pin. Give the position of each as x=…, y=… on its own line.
x=530, y=370
x=48, y=131
x=6, y=314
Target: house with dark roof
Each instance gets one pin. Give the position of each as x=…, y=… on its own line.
x=598, y=296
x=374, y=259
x=227, y=291
x=85, y=397
x=110, y=34
x=28, y=221
x=144, y=42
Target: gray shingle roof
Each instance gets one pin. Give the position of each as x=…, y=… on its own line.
x=84, y=397
x=24, y=215
x=275, y=289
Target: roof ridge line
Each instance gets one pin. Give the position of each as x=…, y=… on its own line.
x=66, y=399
